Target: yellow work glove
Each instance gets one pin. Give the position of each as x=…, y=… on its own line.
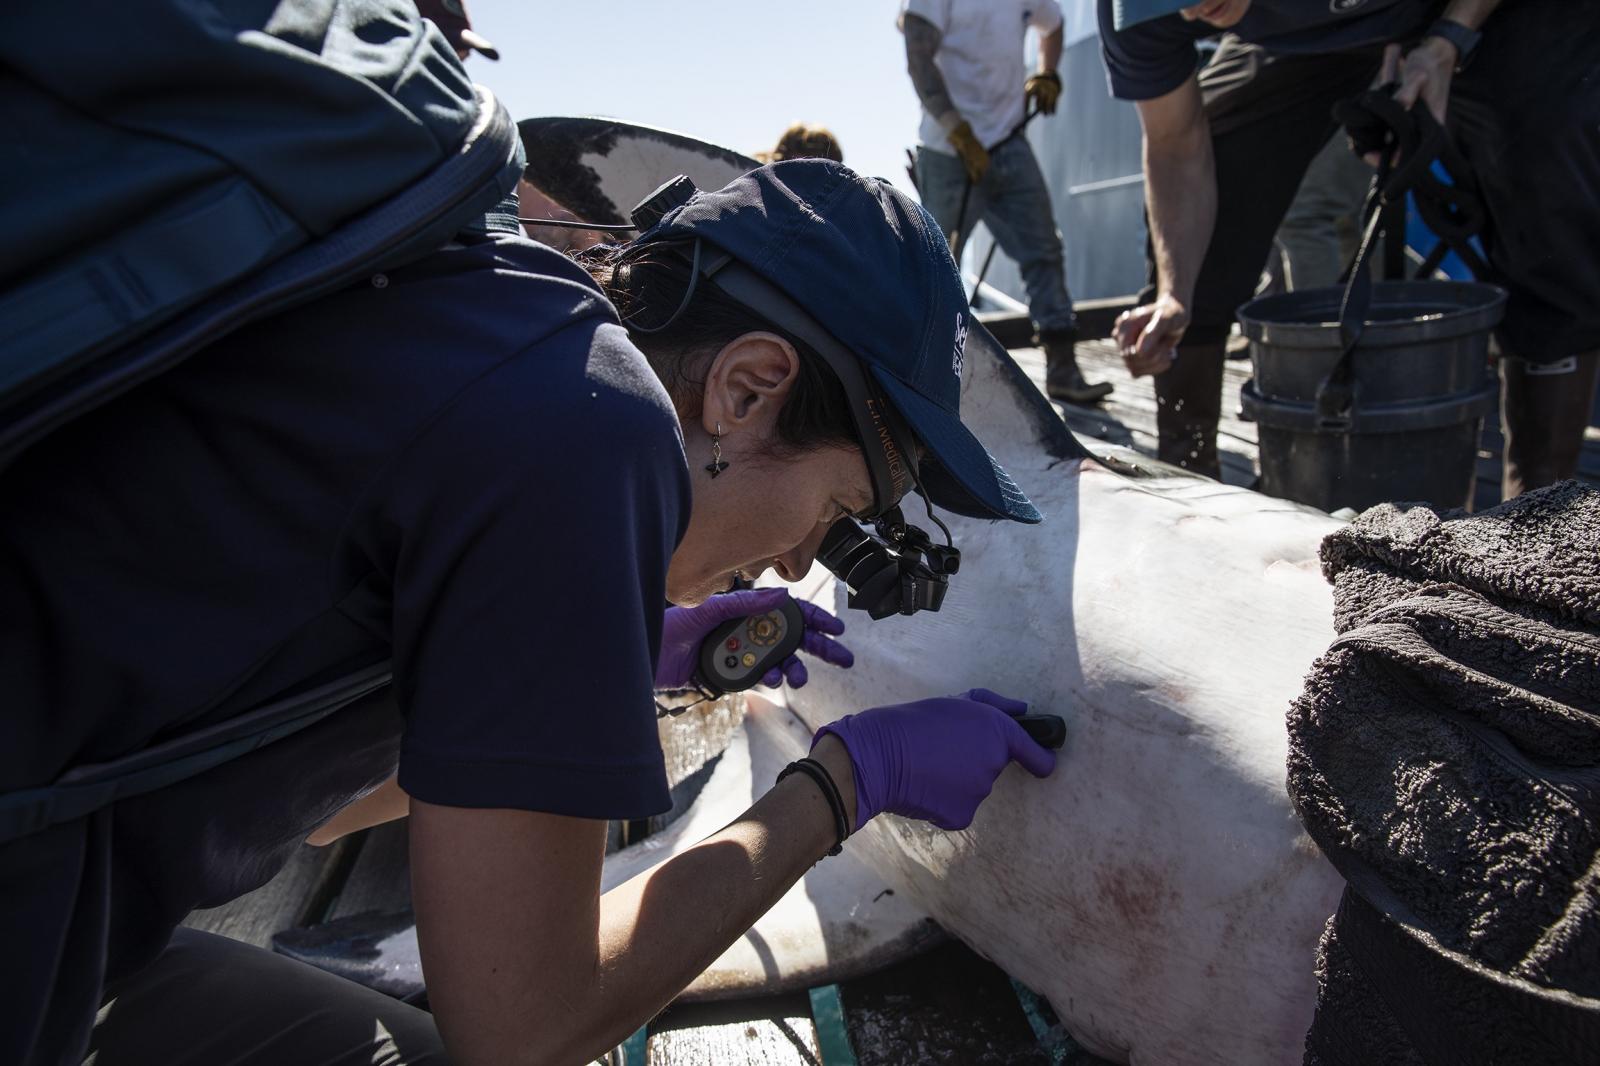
x=1044, y=90
x=973, y=155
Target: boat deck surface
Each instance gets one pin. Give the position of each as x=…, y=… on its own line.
x=949, y=1006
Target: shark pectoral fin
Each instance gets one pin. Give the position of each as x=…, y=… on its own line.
x=839, y=921
x=375, y=949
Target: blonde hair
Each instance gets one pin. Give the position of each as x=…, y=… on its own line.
x=801, y=141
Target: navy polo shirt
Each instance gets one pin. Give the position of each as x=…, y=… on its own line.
x=463, y=466
x=1150, y=59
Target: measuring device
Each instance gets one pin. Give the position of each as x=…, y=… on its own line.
x=739, y=652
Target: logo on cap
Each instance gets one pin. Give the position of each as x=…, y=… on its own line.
x=891, y=450
x=961, y=345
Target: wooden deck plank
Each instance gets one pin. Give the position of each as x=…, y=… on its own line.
x=758, y=1042
x=287, y=900
x=776, y=1031
x=1128, y=416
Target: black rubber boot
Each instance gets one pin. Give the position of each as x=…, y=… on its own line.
x=1188, y=405
x=1062, y=378
x=1543, y=412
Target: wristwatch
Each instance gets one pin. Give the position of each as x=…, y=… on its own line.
x=1465, y=38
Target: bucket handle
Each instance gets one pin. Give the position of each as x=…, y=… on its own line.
x=1336, y=393
x=1407, y=143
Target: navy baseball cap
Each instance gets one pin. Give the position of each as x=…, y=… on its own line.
x=1127, y=13
x=869, y=266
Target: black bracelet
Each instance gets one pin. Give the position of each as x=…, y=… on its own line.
x=830, y=792
x=835, y=799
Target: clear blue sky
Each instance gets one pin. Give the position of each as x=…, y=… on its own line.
x=734, y=72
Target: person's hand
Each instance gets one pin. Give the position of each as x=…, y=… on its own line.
x=1148, y=335
x=685, y=628
x=1424, y=74
x=973, y=155
x=1043, y=89
x=935, y=759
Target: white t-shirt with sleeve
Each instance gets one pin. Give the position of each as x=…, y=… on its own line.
x=981, y=58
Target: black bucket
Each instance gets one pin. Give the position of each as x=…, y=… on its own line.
x=1420, y=386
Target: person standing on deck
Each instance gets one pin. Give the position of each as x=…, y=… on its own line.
x=966, y=62
x=1226, y=146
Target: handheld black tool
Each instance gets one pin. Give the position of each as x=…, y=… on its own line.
x=739, y=652
x=1047, y=730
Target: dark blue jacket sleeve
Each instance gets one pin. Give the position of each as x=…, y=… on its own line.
x=536, y=517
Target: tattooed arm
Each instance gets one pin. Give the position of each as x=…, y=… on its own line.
x=922, y=44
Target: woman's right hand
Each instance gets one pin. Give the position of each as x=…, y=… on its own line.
x=935, y=759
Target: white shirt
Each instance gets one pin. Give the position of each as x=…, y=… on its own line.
x=981, y=58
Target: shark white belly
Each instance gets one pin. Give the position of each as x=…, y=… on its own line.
x=1158, y=888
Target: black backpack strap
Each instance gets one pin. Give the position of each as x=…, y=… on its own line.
x=86, y=789
x=425, y=216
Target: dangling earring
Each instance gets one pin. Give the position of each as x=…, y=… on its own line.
x=716, y=465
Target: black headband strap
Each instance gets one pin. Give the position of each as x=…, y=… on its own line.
x=883, y=433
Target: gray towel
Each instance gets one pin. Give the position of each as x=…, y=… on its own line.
x=1445, y=755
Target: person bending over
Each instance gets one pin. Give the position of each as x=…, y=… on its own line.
x=490, y=467
x=1226, y=146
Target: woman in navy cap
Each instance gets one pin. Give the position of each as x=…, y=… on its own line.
x=489, y=469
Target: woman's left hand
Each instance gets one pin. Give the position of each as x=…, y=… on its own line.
x=685, y=629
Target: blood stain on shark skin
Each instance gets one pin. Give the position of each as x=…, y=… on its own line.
x=1138, y=893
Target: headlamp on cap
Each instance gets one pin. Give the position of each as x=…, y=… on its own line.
x=896, y=569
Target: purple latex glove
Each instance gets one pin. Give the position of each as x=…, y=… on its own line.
x=685, y=629
x=935, y=759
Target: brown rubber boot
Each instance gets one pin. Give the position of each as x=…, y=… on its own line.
x=1543, y=412
x=1062, y=378
x=1188, y=405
